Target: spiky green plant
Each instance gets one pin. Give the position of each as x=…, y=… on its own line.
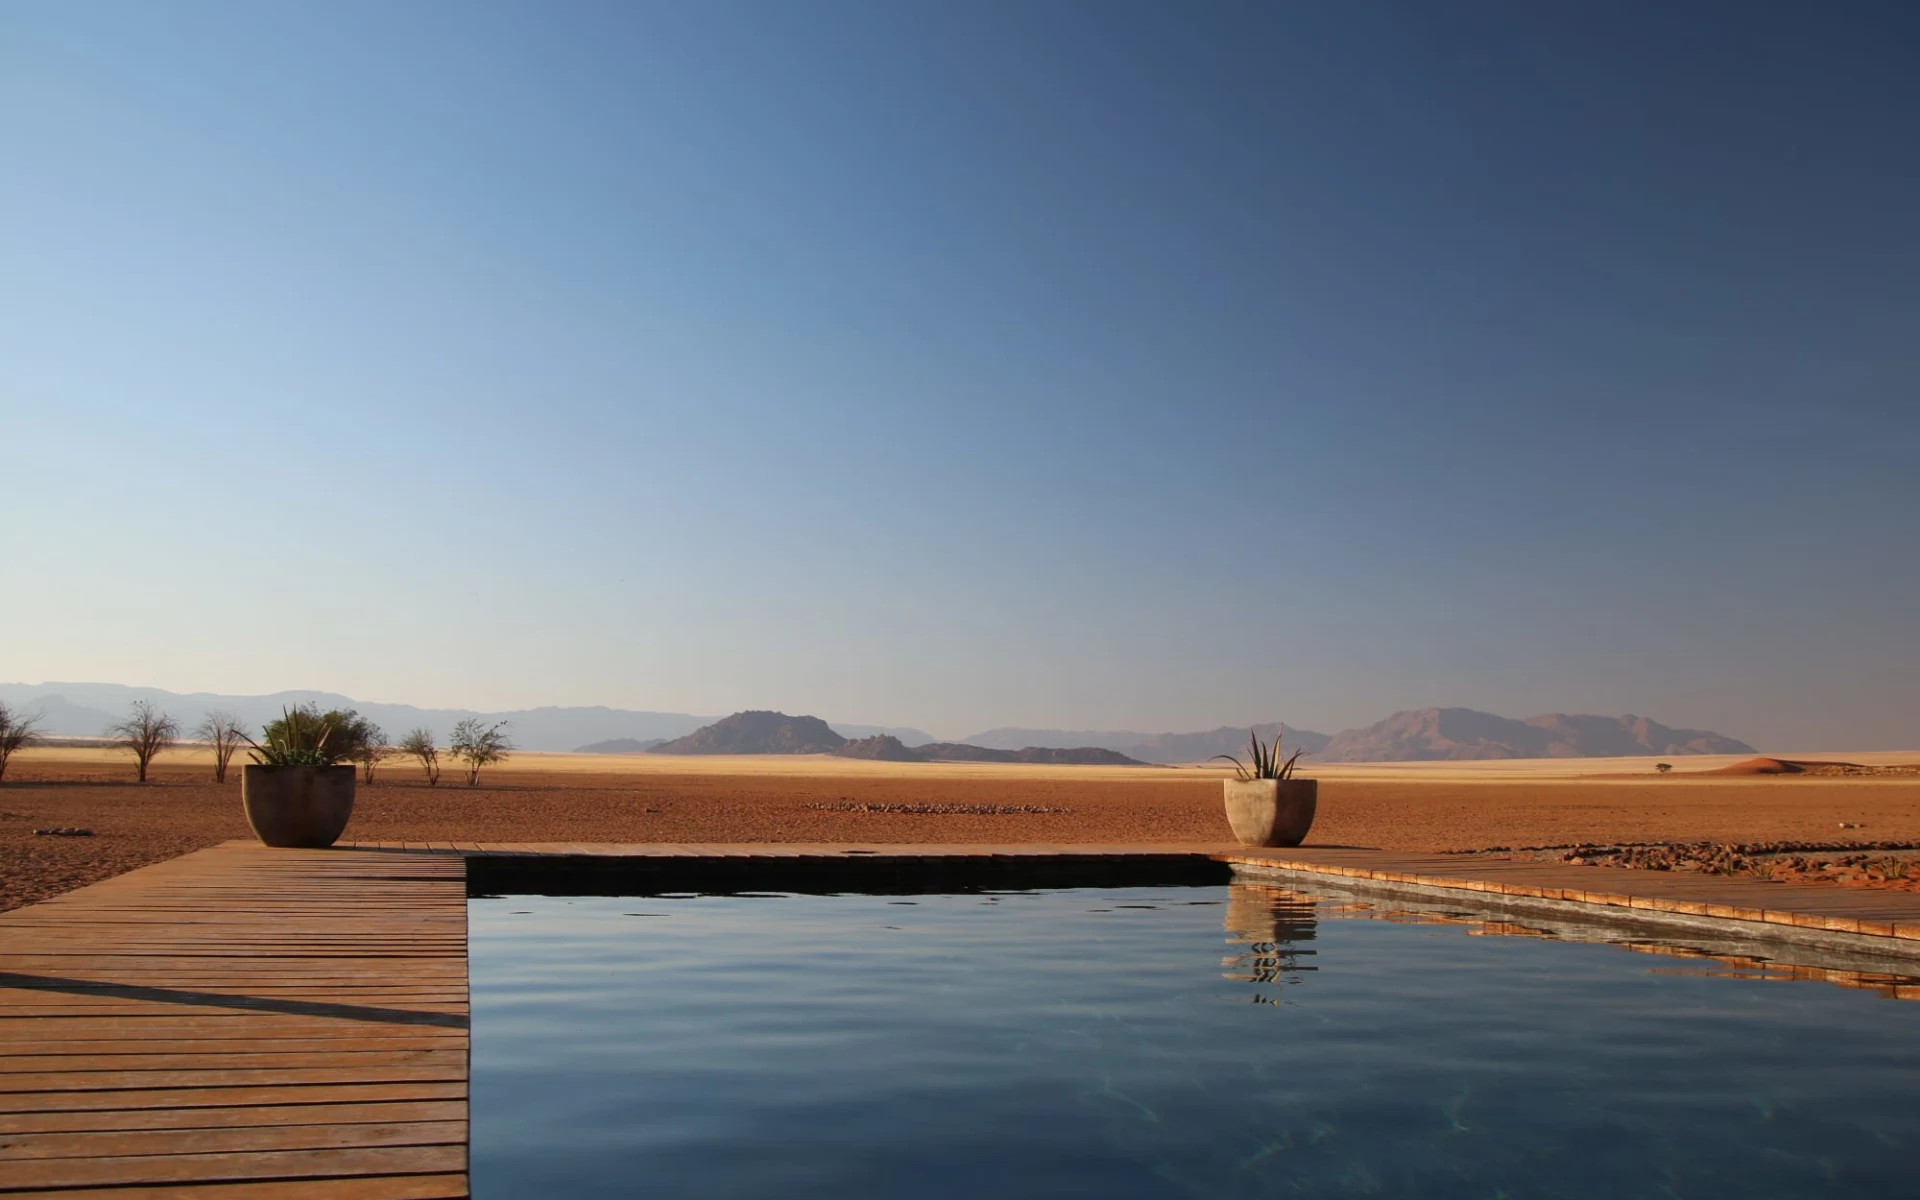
x=1264, y=760
x=300, y=738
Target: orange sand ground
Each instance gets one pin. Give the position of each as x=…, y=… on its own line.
x=1415, y=806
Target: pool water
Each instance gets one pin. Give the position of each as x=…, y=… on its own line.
x=1222, y=1041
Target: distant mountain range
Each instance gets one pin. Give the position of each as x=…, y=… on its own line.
x=621, y=746
x=1421, y=734
x=1084, y=756
x=1156, y=747
x=761, y=732
x=1461, y=733
x=86, y=709
x=890, y=749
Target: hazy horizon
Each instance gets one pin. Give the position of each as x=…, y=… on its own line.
x=1113, y=366
x=22, y=697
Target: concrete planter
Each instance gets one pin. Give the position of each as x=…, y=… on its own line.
x=1271, y=812
x=303, y=807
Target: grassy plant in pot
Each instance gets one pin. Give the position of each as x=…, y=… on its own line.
x=295, y=794
x=1266, y=805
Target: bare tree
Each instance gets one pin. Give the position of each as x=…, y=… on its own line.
x=18, y=731
x=476, y=744
x=146, y=732
x=225, y=731
x=370, y=749
x=420, y=744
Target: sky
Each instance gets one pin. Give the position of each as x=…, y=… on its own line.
x=1086, y=365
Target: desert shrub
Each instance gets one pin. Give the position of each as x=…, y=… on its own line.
x=420, y=744
x=372, y=751
x=338, y=735
x=475, y=744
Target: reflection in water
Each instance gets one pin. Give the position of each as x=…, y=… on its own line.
x=1271, y=921
x=1741, y=966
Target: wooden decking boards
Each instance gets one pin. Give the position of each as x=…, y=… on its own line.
x=240, y=1023
x=1867, y=913
x=245, y=1024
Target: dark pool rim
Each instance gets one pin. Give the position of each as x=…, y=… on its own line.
x=890, y=875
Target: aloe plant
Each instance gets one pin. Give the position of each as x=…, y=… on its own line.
x=1265, y=761
x=298, y=739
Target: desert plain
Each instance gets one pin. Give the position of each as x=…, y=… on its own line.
x=641, y=798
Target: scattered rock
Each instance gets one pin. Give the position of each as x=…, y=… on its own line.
x=1869, y=864
x=63, y=831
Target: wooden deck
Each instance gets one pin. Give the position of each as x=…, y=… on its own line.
x=240, y=1023
x=247, y=1023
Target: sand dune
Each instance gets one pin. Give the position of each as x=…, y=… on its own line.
x=1823, y=767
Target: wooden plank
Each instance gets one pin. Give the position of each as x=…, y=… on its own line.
x=450, y=1186
x=13, y=1052
x=251, y=1139
x=223, y=1059
x=258, y=1025
x=49, y=1173
x=81, y=1101
x=134, y=1120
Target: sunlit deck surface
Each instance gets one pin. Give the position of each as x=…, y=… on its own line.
x=244, y=1022
x=240, y=1022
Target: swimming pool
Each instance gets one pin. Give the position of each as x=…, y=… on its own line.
x=1231, y=1041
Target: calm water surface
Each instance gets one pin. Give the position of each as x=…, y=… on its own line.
x=1165, y=1042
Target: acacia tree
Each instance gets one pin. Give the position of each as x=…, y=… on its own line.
x=146, y=732
x=17, y=732
x=420, y=744
x=476, y=744
x=370, y=748
x=225, y=731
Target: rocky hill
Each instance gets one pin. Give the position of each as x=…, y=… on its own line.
x=758, y=733
x=1097, y=756
x=621, y=746
x=881, y=747
x=1427, y=734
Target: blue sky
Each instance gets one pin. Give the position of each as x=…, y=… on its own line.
x=1089, y=365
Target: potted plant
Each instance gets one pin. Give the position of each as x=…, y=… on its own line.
x=295, y=794
x=1266, y=805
